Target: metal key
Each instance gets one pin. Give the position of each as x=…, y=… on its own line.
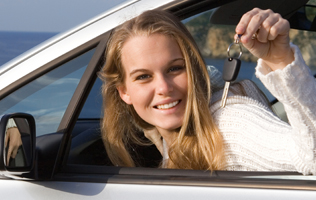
x=231, y=70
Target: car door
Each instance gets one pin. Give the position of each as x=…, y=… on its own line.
x=87, y=160
x=72, y=163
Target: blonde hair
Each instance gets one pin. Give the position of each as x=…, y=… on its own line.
x=199, y=144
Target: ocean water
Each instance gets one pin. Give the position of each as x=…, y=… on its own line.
x=13, y=44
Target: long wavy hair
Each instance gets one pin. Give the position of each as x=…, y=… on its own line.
x=199, y=144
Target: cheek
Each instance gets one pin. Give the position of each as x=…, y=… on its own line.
x=182, y=83
x=141, y=99
x=140, y=95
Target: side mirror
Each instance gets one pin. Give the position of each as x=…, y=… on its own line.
x=17, y=143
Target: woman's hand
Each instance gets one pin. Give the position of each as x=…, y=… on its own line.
x=154, y=136
x=266, y=35
x=13, y=139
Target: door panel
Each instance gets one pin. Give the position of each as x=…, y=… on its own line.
x=79, y=190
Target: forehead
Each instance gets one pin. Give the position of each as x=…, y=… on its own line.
x=155, y=49
x=148, y=41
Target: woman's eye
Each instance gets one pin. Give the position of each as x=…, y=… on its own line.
x=142, y=77
x=176, y=68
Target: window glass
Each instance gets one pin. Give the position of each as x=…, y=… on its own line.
x=86, y=144
x=47, y=97
x=92, y=108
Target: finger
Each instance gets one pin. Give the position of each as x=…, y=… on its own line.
x=265, y=28
x=245, y=19
x=280, y=28
x=14, y=152
x=6, y=138
x=15, y=138
x=255, y=24
x=9, y=155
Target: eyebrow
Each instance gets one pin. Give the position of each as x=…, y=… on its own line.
x=145, y=70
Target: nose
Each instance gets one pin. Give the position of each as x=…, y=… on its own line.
x=164, y=85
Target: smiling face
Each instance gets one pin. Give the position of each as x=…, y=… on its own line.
x=155, y=80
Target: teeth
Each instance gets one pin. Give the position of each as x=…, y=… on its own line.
x=167, y=106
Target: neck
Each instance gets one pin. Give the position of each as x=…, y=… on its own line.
x=168, y=136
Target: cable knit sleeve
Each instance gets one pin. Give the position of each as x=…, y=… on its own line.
x=295, y=87
x=255, y=139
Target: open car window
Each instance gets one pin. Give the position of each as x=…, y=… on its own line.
x=212, y=40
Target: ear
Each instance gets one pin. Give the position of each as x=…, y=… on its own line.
x=123, y=94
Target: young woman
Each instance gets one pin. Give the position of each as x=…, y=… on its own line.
x=155, y=80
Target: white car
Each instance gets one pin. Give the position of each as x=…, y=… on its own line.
x=54, y=93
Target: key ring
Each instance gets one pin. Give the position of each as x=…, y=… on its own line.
x=236, y=42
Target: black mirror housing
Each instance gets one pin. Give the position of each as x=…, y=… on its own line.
x=17, y=144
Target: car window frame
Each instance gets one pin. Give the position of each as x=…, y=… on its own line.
x=181, y=177
x=124, y=175
x=77, y=101
x=59, y=136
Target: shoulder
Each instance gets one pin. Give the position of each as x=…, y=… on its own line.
x=239, y=104
x=242, y=92
x=245, y=116
x=245, y=100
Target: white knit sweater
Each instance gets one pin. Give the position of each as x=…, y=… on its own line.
x=255, y=138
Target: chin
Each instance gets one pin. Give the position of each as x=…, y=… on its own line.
x=173, y=127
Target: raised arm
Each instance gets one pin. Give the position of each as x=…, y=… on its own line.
x=283, y=71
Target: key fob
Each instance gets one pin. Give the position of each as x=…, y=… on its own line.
x=231, y=69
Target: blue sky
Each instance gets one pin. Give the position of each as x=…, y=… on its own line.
x=49, y=15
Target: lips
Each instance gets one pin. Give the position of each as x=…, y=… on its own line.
x=168, y=106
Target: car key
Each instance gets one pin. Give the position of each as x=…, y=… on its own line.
x=230, y=70
x=230, y=73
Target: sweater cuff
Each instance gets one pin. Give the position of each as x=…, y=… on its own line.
x=278, y=81
x=262, y=71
